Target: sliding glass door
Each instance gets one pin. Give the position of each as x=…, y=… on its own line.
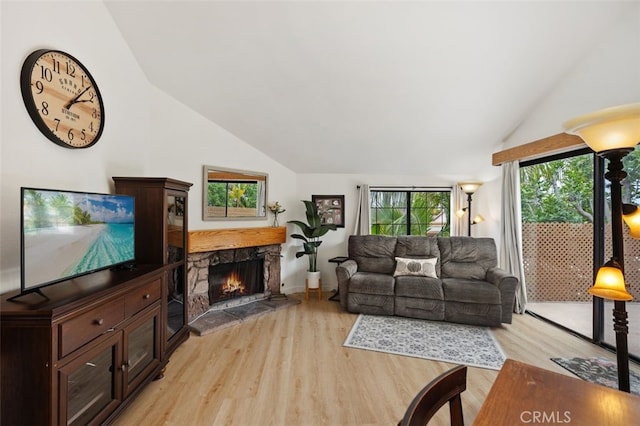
x=557, y=232
x=566, y=231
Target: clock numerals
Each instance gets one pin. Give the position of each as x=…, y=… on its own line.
x=56, y=65
x=71, y=71
x=45, y=108
x=46, y=74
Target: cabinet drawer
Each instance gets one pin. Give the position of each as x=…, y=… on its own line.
x=142, y=297
x=86, y=327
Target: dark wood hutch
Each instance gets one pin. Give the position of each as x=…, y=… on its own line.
x=161, y=237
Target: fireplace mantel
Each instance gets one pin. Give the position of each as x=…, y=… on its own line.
x=201, y=241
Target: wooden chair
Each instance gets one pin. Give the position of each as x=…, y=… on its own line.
x=447, y=387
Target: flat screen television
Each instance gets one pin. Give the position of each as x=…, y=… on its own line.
x=66, y=234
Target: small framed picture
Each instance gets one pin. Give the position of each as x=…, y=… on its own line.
x=330, y=208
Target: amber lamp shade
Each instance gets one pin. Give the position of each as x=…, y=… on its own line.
x=631, y=216
x=610, y=283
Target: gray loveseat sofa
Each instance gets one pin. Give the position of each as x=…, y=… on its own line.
x=454, y=279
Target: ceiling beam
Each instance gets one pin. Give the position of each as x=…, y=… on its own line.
x=562, y=142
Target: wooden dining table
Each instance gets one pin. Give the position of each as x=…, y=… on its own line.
x=523, y=394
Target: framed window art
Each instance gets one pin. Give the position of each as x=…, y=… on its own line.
x=330, y=208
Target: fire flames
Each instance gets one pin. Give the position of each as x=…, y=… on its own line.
x=233, y=286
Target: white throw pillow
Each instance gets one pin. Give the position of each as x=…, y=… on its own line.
x=420, y=267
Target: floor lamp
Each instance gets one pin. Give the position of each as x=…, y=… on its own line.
x=613, y=133
x=469, y=188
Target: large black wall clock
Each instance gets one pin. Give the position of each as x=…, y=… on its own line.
x=62, y=98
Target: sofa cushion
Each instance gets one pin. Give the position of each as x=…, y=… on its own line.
x=373, y=253
x=370, y=304
x=470, y=291
x=419, y=287
x=466, y=257
x=418, y=247
x=372, y=283
x=427, y=309
x=472, y=313
x=421, y=267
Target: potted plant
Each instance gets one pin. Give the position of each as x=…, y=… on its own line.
x=311, y=233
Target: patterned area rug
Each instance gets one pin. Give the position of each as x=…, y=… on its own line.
x=598, y=370
x=455, y=343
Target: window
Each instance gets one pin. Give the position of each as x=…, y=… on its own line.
x=410, y=211
x=227, y=198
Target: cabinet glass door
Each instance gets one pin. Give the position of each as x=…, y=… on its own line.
x=175, y=228
x=91, y=390
x=176, y=256
x=142, y=348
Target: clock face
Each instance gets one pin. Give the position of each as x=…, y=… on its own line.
x=62, y=98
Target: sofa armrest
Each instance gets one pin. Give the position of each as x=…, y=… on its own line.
x=507, y=284
x=344, y=271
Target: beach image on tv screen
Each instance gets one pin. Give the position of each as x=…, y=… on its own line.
x=68, y=233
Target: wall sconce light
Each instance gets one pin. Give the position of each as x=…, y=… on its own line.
x=469, y=188
x=479, y=218
x=631, y=216
x=613, y=133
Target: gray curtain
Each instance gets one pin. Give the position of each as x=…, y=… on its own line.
x=511, y=231
x=458, y=201
x=363, y=219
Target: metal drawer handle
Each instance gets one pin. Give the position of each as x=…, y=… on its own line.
x=146, y=296
x=99, y=321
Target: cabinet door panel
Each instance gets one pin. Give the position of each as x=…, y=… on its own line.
x=142, y=348
x=90, y=388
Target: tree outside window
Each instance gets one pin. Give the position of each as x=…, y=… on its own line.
x=410, y=212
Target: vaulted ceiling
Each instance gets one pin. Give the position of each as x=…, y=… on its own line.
x=363, y=87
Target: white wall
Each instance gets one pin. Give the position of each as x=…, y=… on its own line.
x=607, y=76
x=147, y=133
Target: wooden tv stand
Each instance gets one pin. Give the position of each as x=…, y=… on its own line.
x=81, y=353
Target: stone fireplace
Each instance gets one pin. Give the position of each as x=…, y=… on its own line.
x=221, y=250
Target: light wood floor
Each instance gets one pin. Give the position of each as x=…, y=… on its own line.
x=578, y=316
x=290, y=368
